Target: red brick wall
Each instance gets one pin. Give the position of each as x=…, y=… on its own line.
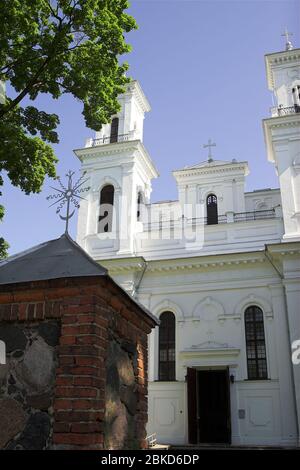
x=87, y=309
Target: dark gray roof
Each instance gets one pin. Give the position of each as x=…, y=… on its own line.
x=59, y=258
x=50, y=260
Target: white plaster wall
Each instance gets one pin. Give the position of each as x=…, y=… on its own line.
x=286, y=144
x=209, y=305
x=262, y=200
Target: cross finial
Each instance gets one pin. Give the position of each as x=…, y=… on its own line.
x=210, y=144
x=288, y=44
x=68, y=194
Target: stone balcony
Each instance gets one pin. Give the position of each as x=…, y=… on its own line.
x=113, y=139
x=230, y=217
x=281, y=111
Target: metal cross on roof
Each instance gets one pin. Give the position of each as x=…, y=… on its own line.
x=288, y=44
x=209, y=145
x=68, y=194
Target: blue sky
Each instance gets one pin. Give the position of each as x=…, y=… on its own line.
x=201, y=65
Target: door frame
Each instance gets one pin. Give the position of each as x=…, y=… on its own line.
x=193, y=397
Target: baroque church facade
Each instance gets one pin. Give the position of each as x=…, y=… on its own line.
x=219, y=267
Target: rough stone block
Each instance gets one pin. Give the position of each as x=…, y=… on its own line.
x=37, y=369
x=13, y=420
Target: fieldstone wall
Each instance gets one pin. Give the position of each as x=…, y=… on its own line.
x=122, y=397
x=27, y=384
x=76, y=372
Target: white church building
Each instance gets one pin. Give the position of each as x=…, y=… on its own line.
x=219, y=266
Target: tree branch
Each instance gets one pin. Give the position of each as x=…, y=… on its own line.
x=54, y=14
x=31, y=83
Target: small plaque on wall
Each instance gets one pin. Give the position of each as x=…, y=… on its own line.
x=242, y=414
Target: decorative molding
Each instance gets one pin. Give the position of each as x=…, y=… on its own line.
x=210, y=348
x=254, y=299
x=202, y=265
x=109, y=180
x=199, y=308
x=220, y=169
x=278, y=59
x=108, y=150
x=281, y=122
x=135, y=88
x=223, y=318
x=168, y=305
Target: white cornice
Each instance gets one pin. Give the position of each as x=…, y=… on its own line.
x=274, y=123
x=239, y=167
x=202, y=265
x=120, y=265
x=184, y=264
x=117, y=149
x=279, y=122
x=135, y=88
x=276, y=59
x=285, y=249
x=258, y=192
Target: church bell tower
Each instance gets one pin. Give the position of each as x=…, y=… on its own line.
x=120, y=171
x=282, y=132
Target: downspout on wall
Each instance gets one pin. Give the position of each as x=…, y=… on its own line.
x=138, y=283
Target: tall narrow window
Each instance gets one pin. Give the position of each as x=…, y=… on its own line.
x=106, y=209
x=114, y=128
x=167, y=346
x=212, y=209
x=296, y=97
x=255, y=343
x=139, y=204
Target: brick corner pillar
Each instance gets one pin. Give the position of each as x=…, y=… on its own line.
x=80, y=376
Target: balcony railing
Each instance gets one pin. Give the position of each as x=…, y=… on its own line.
x=285, y=111
x=222, y=219
x=255, y=215
x=111, y=139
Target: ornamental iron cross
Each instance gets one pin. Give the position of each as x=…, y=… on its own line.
x=209, y=145
x=68, y=194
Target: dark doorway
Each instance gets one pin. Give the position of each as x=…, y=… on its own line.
x=209, y=406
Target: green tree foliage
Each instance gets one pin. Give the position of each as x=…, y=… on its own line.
x=56, y=47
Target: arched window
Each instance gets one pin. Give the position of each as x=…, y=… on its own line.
x=167, y=346
x=106, y=209
x=255, y=343
x=212, y=209
x=114, y=128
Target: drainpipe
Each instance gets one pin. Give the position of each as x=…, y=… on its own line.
x=280, y=274
x=138, y=283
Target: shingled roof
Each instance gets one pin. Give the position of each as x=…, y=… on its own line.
x=56, y=259
x=53, y=259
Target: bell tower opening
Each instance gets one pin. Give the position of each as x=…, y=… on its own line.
x=105, y=220
x=212, y=209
